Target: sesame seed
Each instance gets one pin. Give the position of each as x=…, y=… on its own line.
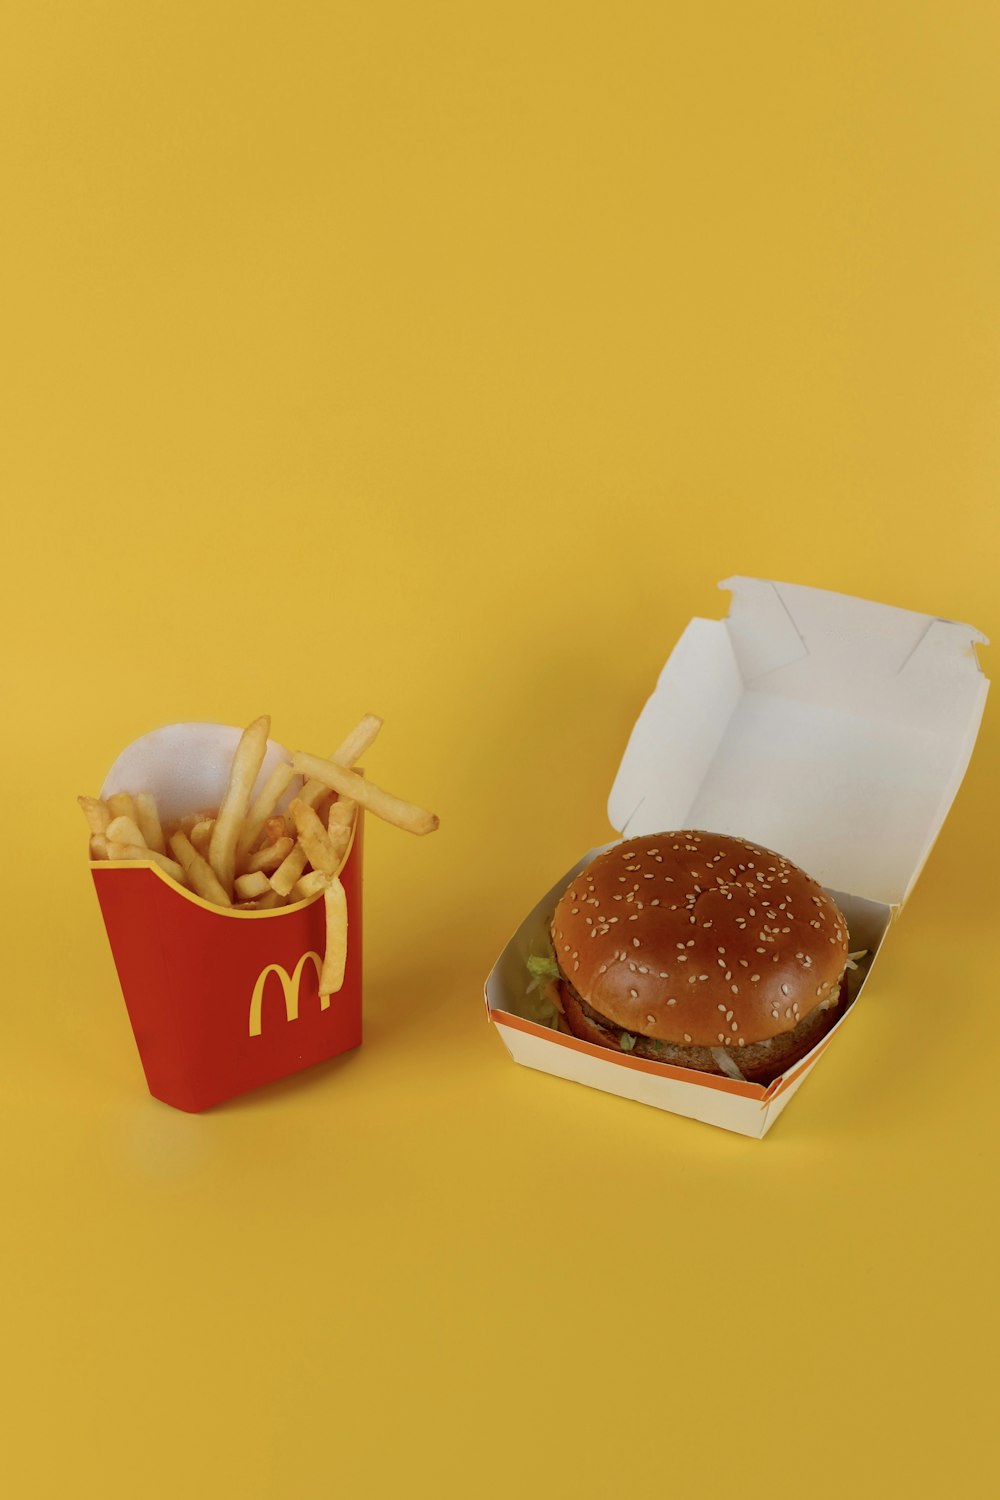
x=687, y=1036
x=634, y=994
x=735, y=1026
x=671, y=1001
x=650, y=1020
x=786, y=989
x=735, y=988
x=754, y=978
x=722, y=1008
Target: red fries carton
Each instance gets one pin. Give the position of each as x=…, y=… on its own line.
x=833, y=730
x=220, y=1001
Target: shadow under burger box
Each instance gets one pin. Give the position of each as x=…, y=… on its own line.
x=220, y=1001
x=833, y=730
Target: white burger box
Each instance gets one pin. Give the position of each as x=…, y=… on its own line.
x=831, y=729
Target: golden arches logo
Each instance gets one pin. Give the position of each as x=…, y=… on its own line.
x=290, y=986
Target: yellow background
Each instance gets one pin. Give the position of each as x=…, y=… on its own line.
x=437, y=359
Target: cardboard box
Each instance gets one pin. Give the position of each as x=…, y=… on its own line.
x=220, y=1001
x=831, y=729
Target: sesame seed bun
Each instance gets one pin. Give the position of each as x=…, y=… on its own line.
x=694, y=944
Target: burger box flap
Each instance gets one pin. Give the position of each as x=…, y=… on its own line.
x=834, y=730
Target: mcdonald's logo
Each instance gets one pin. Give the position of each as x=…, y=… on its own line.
x=290, y=986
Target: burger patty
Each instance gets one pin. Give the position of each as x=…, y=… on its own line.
x=759, y=1062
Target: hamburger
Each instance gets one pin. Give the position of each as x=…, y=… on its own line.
x=700, y=950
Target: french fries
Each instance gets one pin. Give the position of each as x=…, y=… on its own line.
x=314, y=838
x=248, y=856
x=309, y=885
x=288, y=871
x=383, y=804
x=271, y=856
x=249, y=887
x=148, y=818
x=243, y=773
x=201, y=876
x=135, y=851
x=125, y=830
x=200, y=834
x=96, y=812
x=335, y=959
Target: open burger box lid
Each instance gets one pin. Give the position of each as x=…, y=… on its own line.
x=831, y=729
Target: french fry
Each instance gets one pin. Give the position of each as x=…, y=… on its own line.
x=201, y=876
x=267, y=902
x=289, y=870
x=347, y=754
x=243, y=773
x=249, y=887
x=264, y=804
x=125, y=830
x=340, y=825
x=118, y=850
x=271, y=856
x=122, y=805
x=96, y=813
x=148, y=818
x=275, y=828
x=309, y=885
x=361, y=736
x=342, y=812
x=98, y=846
x=201, y=835
x=335, y=959
x=383, y=804
x=314, y=838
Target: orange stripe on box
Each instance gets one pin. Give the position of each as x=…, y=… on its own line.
x=624, y=1060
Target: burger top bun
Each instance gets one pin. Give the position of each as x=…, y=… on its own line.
x=690, y=937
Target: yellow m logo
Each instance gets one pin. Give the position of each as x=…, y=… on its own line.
x=290, y=986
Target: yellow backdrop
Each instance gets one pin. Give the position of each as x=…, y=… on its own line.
x=437, y=359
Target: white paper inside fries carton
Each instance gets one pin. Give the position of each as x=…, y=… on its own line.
x=832, y=730
x=229, y=876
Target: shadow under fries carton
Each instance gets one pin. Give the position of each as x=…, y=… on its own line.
x=220, y=1001
x=831, y=729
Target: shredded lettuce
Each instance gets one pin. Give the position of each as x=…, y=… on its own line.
x=541, y=1007
x=542, y=967
x=626, y=1041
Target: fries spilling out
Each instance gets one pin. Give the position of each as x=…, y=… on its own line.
x=259, y=853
